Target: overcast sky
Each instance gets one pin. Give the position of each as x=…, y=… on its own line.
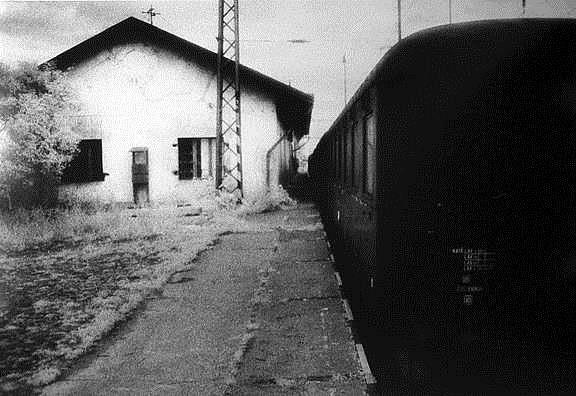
x=362, y=29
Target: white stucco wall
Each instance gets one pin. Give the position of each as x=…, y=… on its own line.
x=141, y=96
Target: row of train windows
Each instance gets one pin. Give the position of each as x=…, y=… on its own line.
x=354, y=152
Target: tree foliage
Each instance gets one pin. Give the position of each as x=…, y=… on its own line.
x=36, y=138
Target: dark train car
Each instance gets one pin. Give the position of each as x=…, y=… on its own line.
x=448, y=186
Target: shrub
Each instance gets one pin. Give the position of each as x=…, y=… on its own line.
x=271, y=199
x=226, y=200
x=36, y=139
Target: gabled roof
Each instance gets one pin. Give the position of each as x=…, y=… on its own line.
x=294, y=106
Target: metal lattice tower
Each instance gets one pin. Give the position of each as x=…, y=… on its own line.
x=228, y=137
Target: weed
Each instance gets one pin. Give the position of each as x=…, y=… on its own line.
x=42, y=229
x=271, y=199
x=226, y=200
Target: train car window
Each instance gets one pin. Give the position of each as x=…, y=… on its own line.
x=343, y=161
x=338, y=156
x=358, y=155
x=367, y=102
x=364, y=155
x=350, y=155
x=330, y=159
x=333, y=158
x=370, y=153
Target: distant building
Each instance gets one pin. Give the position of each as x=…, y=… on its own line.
x=150, y=100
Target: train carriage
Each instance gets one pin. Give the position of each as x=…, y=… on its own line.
x=448, y=186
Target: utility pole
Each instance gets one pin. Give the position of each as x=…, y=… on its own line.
x=450, y=12
x=345, y=81
x=399, y=20
x=151, y=13
x=228, y=136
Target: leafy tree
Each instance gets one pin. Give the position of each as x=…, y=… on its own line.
x=36, y=139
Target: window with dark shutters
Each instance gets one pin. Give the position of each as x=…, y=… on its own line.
x=86, y=166
x=189, y=158
x=196, y=157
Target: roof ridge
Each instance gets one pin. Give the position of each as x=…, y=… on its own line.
x=77, y=53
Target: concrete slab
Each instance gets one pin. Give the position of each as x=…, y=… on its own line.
x=304, y=250
x=290, y=218
x=303, y=279
x=301, y=339
x=332, y=386
x=249, y=241
x=286, y=235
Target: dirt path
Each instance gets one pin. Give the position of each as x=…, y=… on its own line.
x=186, y=340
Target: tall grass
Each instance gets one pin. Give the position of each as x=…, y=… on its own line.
x=41, y=228
x=271, y=199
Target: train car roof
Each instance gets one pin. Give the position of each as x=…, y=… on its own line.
x=446, y=36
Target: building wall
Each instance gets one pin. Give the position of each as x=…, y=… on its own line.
x=280, y=167
x=137, y=95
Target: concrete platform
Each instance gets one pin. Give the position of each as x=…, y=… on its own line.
x=260, y=314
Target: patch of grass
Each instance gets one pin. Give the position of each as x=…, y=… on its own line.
x=44, y=376
x=72, y=276
x=37, y=229
x=271, y=199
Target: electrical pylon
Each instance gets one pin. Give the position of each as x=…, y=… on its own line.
x=228, y=136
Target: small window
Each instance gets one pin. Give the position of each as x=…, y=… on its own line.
x=367, y=102
x=369, y=153
x=86, y=166
x=349, y=154
x=333, y=160
x=338, y=156
x=195, y=157
x=189, y=158
x=343, y=156
x=358, y=154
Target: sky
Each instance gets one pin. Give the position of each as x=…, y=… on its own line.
x=362, y=30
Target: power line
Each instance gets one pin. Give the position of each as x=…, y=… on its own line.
x=570, y=10
x=168, y=22
x=298, y=41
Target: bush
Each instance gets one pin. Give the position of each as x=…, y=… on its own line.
x=226, y=200
x=272, y=199
x=36, y=139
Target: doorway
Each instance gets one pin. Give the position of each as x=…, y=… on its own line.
x=140, y=175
